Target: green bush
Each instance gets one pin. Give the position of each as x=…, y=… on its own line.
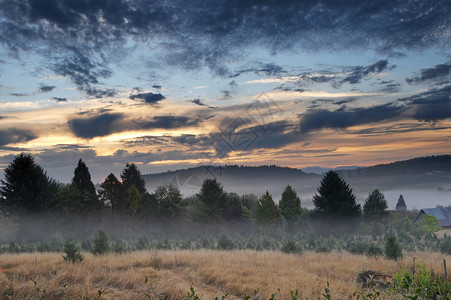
x=374, y=251
x=392, y=248
x=119, y=247
x=290, y=246
x=73, y=252
x=101, y=244
x=445, y=245
x=225, y=243
x=143, y=244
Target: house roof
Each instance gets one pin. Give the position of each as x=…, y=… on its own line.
x=443, y=215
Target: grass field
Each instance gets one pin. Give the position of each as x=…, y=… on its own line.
x=210, y=272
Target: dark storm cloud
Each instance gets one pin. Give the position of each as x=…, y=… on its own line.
x=13, y=136
x=99, y=125
x=431, y=106
x=76, y=36
x=47, y=88
x=316, y=119
x=150, y=98
x=58, y=99
x=436, y=73
x=166, y=122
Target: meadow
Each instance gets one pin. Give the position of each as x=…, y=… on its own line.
x=211, y=273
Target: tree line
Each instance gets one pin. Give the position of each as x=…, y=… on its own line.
x=26, y=189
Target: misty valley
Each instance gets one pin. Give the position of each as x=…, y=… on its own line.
x=189, y=234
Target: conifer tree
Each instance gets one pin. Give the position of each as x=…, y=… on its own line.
x=84, y=190
x=82, y=178
x=401, y=205
x=212, y=195
x=375, y=205
x=335, y=198
x=132, y=176
x=26, y=186
x=267, y=211
x=290, y=205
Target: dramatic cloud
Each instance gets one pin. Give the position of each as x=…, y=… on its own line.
x=357, y=73
x=150, y=98
x=14, y=136
x=100, y=125
x=435, y=73
x=58, y=99
x=432, y=106
x=316, y=119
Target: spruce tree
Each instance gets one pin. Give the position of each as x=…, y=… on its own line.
x=83, y=184
x=290, y=205
x=212, y=195
x=26, y=186
x=132, y=176
x=401, y=205
x=267, y=211
x=168, y=199
x=335, y=198
x=375, y=205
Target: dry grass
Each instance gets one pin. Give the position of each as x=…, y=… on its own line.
x=211, y=273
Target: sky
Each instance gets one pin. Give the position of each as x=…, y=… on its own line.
x=174, y=84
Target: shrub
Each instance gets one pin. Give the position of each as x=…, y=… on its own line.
x=322, y=249
x=101, y=245
x=225, y=243
x=143, y=244
x=290, y=246
x=374, y=251
x=445, y=245
x=119, y=247
x=73, y=252
x=392, y=248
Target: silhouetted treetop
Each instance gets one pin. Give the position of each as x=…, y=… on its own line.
x=335, y=198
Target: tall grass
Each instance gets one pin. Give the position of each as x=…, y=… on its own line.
x=211, y=273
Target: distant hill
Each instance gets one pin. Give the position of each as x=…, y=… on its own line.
x=428, y=173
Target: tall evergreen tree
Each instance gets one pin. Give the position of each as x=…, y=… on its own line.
x=132, y=176
x=335, y=198
x=267, y=211
x=83, y=184
x=26, y=187
x=82, y=178
x=212, y=195
x=401, y=205
x=375, y=205
x=290, y=205
x=113, y=193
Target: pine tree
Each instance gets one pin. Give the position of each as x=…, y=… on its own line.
x=26, y=187
x=267, y=211
x=132, y=176
x=375, y=205
x=335, y=198
x=401, y=205
x=290, y=205
x=101, y=244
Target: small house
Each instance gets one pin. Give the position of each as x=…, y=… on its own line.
x=443, y=215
